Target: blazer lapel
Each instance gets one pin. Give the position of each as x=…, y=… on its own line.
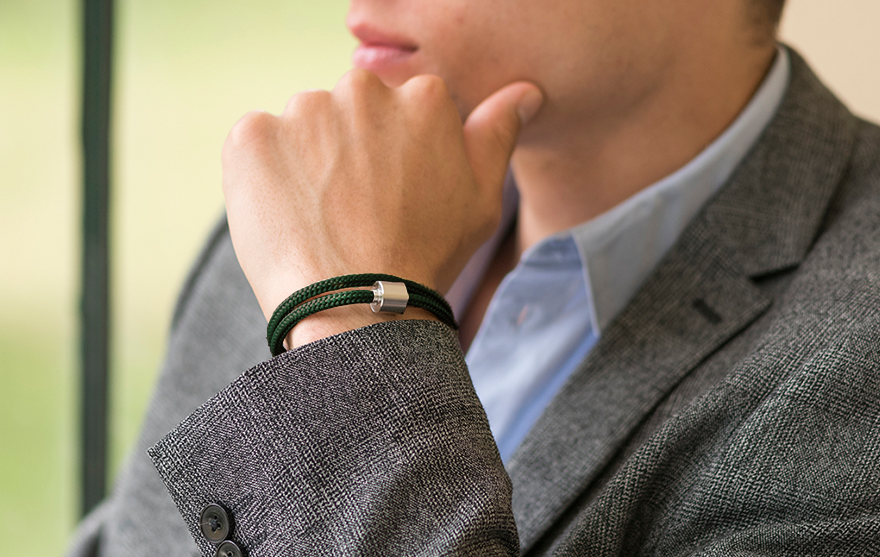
x=699, y=297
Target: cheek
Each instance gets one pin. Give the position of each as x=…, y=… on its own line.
x=581, y=51
x=475, y=64
x=473, y=45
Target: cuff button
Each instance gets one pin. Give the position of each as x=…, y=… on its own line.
x=228, y=549
x=214, y=524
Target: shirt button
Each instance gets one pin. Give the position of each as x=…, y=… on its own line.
x=214, y=523
x=228, y=549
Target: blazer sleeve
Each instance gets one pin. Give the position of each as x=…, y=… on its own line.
x=369, y=442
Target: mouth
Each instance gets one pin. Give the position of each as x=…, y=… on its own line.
x=379, y=51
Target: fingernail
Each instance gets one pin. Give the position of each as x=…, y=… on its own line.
x=529, y=105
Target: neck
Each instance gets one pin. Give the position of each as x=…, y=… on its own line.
x=574, y=172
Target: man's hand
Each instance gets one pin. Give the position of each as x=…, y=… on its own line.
x=367, y=179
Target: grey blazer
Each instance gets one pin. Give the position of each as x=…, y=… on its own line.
x=733, y=408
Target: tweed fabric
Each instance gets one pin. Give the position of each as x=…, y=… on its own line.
x=218, y=330
x=311, y=467
x=733, y=408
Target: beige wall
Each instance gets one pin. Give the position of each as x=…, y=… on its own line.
x=841, y=40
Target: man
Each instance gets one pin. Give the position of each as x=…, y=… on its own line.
x=682, y=348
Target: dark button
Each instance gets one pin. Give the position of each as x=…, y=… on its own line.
x=228, y=549
x=214, y=523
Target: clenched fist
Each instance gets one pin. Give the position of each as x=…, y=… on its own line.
x=367, y=179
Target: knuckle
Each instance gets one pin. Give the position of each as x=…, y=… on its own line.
x=255, y=127
x=428, y=88
x=358, y=80
x=306, y=101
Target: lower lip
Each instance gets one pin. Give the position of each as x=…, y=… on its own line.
x=378, y=58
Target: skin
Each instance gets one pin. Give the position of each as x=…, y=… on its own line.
x=589, y=101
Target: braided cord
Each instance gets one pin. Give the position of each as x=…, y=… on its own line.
x=314, y=298
x=347, y=281
x=440, y=307
x=289, y=321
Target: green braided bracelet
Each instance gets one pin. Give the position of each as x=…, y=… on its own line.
x=315, y=298
x=349, y=281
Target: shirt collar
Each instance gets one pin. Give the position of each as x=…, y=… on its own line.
x=621, y=247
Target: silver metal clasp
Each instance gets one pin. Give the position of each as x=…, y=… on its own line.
x=389, y=297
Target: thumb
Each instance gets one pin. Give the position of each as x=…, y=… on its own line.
x=491, y=130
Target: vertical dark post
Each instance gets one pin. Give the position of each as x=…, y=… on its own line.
x=94, y=324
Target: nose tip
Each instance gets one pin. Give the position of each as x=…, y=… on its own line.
x=352, y=18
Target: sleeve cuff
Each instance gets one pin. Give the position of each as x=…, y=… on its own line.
x=372, y=440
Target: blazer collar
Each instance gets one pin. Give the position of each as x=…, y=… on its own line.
x=764, y=220
x=771, y=211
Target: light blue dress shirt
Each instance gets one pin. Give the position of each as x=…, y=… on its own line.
x=550, y=310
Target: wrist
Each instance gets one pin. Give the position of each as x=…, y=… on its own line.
x=388, y=295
